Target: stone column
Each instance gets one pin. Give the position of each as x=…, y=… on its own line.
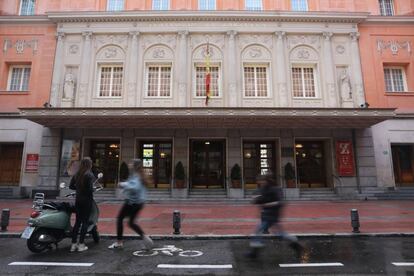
x=81, y=97
x=232, y=77
x=132, y=93
x=55, y=92
x=182, y=69
x=358, y=88
x=329, y=77
x=281, y=78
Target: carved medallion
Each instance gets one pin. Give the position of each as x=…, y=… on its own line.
x=73, y=49
x=340, y=49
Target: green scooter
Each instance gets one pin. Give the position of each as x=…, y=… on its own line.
x=50, y=223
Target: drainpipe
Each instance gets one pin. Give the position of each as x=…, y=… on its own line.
x=356, y=160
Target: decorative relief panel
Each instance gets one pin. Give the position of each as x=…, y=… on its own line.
x=149, y=40
x=393, y=45
x=73, y=49
x=256, y=52
x=157, y=103
x=159, y=52
x=119, y=40
x=216, y=39
x=264, y=40
x=20, y=45
x=303, y=53
x=295, y=40
x=257, y=103
x=201, y=52
x=111, y=53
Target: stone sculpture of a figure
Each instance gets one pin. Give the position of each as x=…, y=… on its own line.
x=345, y=83
x=69, y=86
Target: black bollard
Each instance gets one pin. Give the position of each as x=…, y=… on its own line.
x=5, y=217
x=355, y=220
x=176, y=222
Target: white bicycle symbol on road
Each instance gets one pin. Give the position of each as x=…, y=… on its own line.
x=168, y=250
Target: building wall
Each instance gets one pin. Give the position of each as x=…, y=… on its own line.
x=405, y=7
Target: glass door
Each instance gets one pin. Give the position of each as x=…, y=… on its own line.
x=207, y=164
x=310, y=163
x=105, y=159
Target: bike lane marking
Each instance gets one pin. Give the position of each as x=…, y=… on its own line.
x=403, y=264
x=51, y=264
x=224, y=266
x=311, y=265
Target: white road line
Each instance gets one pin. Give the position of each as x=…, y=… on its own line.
x=226, y=266
x=311, y=265
x=403, y=264
x=51, y=264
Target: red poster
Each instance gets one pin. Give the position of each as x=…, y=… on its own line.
x=32, y=162
x=345, y=158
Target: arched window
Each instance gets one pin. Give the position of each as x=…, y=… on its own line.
x=110, y=63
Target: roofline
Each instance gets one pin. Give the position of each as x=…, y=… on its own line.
x=266, y=16
x=19, y=19
x=395, y=20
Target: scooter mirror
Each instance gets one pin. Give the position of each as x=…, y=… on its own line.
x=100, y=175
x=62, y=185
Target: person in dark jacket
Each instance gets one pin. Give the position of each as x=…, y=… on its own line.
x=270, y=202
x=82, y=182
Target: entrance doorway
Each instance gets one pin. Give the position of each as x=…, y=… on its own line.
x=258, y=159
x=403, y=163
x=311, y=164
x=10, y=163
x=157, y=161
x=105, y=159
x=207, y=163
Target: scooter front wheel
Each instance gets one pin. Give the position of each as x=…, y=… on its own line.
x=34, y=244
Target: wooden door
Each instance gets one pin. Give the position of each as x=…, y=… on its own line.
x=10, y=164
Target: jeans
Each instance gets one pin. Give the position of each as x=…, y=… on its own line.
x=83, y=212
x=264, y=226
x=131, y=211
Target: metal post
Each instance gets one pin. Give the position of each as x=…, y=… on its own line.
x=176, y=222
x=5, y=217
x=355, y=220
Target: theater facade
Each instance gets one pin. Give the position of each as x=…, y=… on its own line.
x=286, y=97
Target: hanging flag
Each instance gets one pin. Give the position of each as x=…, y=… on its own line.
x=208, y=76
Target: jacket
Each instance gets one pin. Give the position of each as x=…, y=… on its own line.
x=134, y=190
x=84, y=193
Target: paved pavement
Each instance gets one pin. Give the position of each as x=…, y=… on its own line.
x=323, y=256
x=240, y=219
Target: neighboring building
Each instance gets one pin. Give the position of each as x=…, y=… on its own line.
x=26, y=63
x=388, y=67
x=285, y=87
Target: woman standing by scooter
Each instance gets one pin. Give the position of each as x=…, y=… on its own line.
x=135, y=194
x=82, y=182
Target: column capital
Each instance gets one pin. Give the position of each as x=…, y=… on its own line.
x=354, y=36
x=87, y=35
x=231, y=34
x=60, y=35
x=327, y=35
x=183, y=33
x=134, y=34
x=280, y=34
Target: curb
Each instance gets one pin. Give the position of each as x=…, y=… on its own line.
x=241, y=237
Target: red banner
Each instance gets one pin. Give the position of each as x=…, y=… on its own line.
x=32, y=162
x=345, y=158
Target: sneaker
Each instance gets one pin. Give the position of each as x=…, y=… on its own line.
x=82, y=247
x=73, y=247
x=116, y=245
x=147, y=242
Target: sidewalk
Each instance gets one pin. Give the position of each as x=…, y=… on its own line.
x=199, y=218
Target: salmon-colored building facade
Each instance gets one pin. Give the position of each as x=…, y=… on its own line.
x=56, y=39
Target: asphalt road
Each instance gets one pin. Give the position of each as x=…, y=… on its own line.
x=339, y=256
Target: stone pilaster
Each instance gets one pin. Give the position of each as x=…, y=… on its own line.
x=232, y=78
x=281, y=78
x=358, y=86
x=131, y=77
x=329, y=78
x=81, y=97
x=56, y=89
x=182, y=69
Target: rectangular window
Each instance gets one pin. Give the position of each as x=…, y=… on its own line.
x=206, y=4
x=303, y=82
x=110, y=81
x=255, y=81
x=253, y=5
x=299, y=5
x=160, y=5
x=27, y=7
x=201, y=81
x=394, y=79
x=19, y=77
x=115, y=5
x=159, y=81
x=386, y=7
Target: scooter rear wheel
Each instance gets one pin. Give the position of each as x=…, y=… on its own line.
x=34, y=244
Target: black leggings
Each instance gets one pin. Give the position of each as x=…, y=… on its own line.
x=131, y=211
x=83, y=212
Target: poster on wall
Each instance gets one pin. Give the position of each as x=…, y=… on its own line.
x=69, y=161
x=345, y=158
x=32, y=162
